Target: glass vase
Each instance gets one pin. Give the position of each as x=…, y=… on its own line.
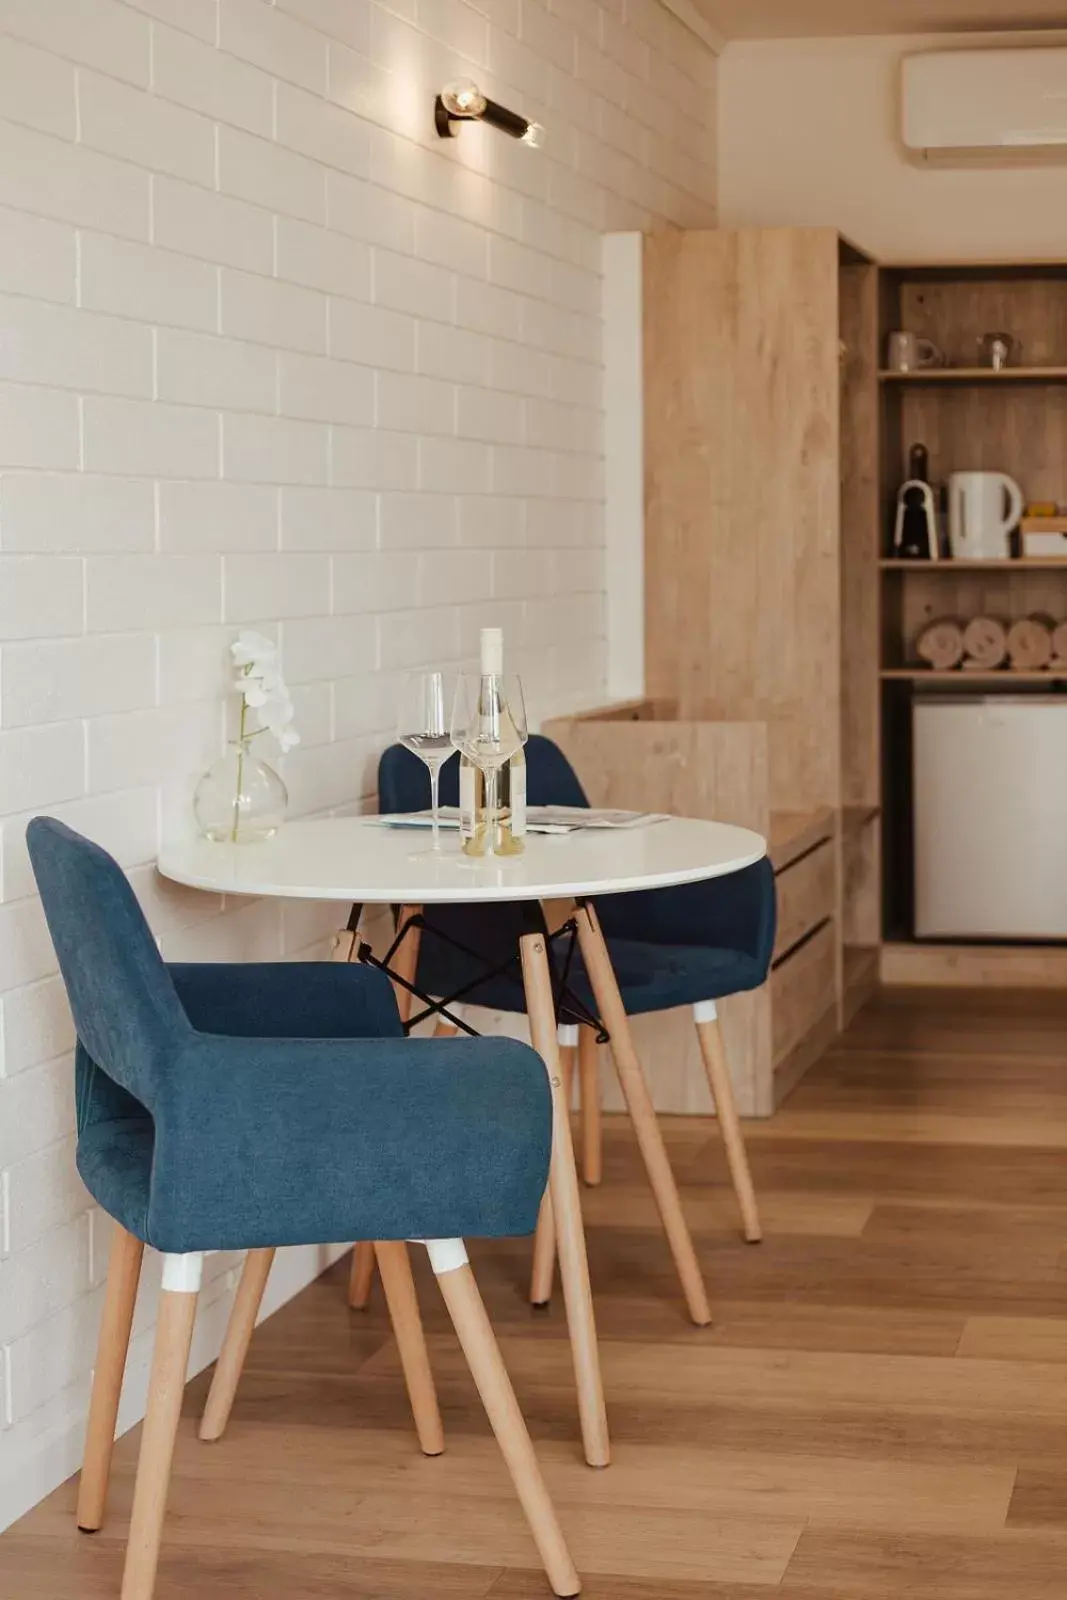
x=240, y=799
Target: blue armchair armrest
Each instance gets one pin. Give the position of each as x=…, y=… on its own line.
x=288, y=1000
x=738, y=912
x=270, y=1141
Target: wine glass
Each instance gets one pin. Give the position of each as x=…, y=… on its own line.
x=488, y=719
x=423, y=728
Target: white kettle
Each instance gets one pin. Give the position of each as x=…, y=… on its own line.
x=978, y=519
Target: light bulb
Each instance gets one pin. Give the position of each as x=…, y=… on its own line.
x=534, y=135
x=463, y=99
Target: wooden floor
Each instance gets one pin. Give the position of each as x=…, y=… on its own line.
x=879, y=1411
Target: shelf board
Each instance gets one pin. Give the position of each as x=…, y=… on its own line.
x=1019, y=563
x=977, y=375
x=1002, y=675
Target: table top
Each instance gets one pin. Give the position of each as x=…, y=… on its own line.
x=358, y=859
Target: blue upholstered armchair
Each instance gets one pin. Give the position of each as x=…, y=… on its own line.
x=687, y=946
x=245, y=1107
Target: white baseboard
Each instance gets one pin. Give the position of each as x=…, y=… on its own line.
x=56, y=1453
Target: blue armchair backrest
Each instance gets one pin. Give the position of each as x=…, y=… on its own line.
x=126, y=1008
x=404, y=783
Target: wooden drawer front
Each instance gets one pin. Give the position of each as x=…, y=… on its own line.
x=805, y=896
x=802, y=988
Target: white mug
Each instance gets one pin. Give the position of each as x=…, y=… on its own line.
x=910, y=352
x=978, y=522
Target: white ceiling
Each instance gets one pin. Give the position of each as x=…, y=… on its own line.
x=791, y=19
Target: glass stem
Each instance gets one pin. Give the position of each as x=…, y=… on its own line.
x=492, y=790
x=435, y=793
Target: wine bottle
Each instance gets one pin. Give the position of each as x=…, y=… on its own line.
x=493, y=804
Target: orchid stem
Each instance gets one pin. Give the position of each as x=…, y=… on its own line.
x=240, y=771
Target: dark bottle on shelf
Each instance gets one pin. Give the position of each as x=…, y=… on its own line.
x=919, y=463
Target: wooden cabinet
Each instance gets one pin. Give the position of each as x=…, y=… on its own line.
x=761, y=573
x=742, y=490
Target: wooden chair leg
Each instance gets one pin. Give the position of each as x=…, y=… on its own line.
x=567, y=1207
x=405, y=963
x=445, y=1030
x=544, y=1256
x=174, y=1332
x=123, y=1276
x=361, y=1278
x=592, y=1129
x=494, y=1386
x=395, y=1267
x=722, y=1088
x=543, y=1270
x=406, y=960
x=642, y=1113
x=239, y=1332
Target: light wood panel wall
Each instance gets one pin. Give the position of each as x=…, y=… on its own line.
x=742, y=495
x=717, y=770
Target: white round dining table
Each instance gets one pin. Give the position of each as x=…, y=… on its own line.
x=360, y=861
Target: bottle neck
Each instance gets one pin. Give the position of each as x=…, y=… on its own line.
x=492, y=652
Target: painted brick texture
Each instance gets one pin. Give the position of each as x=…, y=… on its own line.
x=272, y=354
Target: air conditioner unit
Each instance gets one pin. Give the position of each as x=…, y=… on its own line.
x=965, y=106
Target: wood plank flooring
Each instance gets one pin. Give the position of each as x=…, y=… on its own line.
x=880, y=1408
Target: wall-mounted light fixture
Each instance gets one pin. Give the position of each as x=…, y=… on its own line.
x=465, y=102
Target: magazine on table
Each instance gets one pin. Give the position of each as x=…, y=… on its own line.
x=539, y=819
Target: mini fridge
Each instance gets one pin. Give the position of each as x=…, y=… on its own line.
x=990, y=821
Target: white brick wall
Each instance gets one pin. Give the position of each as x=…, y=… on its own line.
x=270, y=352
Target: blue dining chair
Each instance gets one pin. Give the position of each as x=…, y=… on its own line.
x=693, y=946
x=250, y=1106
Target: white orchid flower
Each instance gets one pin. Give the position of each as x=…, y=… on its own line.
x=250, y=648
x=259, y=691
x=276, y=713
x=263, y=689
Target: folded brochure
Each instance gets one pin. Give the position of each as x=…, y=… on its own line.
x=539, y=819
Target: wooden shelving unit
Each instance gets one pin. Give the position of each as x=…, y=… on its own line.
x=970, y=419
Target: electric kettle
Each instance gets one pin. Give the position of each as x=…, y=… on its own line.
x=983, y=507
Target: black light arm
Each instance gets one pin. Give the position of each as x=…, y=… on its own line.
x=466, y=103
